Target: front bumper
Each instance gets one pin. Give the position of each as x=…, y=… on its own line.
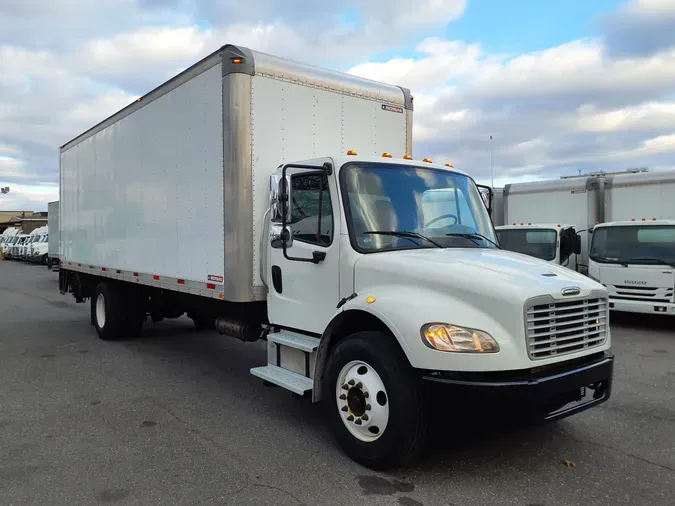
x=541, y=394
x=644, y=307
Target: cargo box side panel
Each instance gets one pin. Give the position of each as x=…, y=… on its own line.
x=54, y=230
x=638, y=196
x=144, y=194
x=293, y=122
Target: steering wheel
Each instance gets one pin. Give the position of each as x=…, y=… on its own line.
x=440, y=218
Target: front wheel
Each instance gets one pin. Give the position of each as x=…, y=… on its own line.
x=374, y=401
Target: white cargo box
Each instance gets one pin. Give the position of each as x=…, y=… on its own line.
x=54, y=229
x=171, y=190
x=642, y=195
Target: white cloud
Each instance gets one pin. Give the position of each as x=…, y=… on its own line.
x=68, y=64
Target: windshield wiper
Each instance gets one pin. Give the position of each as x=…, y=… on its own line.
x=408, y=235
x=648, y=260
x=474, y=237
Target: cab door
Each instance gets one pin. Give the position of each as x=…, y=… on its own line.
x=303, y=277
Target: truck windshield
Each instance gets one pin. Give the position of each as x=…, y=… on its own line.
x=392, y=207
x=646, y=245
x=541, y=243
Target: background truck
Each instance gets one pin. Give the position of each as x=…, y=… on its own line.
x=555, y=243
x=54, y=235
x=633, y=251
x=577, y=202
x=377, y=293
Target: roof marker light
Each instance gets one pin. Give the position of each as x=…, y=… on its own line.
x=427, y=160
x=351, y=152
x=407, y=157
x=386, y=155
x=237, y=61
x=450, y=165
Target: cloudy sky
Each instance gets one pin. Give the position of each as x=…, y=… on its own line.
x=561, y=85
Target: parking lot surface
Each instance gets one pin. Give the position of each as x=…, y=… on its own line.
x=175, y=417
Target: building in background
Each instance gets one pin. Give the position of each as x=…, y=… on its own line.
x=27, y=221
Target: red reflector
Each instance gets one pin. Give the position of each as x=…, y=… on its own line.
x=118, y=271
x=155, y=277
x=181, y=281
x=135, y=274
x=103, y=269
x=210, y=286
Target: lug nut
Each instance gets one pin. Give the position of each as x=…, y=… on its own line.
x=343, y=397
x=359, y=385
x=351, y=382
x=345, y=387
x=367, y=407
x=358, y=421
x=345, y=408
x=366, y=394
x=350, y=418
x=365, y=417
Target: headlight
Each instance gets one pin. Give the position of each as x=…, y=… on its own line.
x=448, y=337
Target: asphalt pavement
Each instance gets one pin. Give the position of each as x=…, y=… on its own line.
x=175, y=417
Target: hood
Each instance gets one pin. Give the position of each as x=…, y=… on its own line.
x=490, y=273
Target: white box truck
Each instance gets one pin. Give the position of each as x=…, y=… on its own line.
x=568, y=208
x=633, y=251
x=54, y=235
x=321, y=235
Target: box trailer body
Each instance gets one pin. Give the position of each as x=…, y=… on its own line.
x=575, y=201
x=373, y=277
x=54, y=235
x=633, y=251
x=191, y=160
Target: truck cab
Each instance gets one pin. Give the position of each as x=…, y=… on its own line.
x=557, y=243
x=635, y=261
x=38, y=248
x=393, y=271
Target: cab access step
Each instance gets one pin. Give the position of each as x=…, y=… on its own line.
x=290, y=361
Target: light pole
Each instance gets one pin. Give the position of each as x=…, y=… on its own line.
x=492, y=176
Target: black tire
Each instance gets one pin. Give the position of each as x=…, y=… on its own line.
x=45, y=259
x=405, y=435
x=49, y=263
x=114, y=303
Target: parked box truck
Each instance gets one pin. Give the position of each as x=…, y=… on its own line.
x=633, y=251
x=575, y=202
x=54, y=235
x=320, y=234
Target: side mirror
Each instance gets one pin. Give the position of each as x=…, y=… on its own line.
x=279, y=197
x=279, y=236
x=577, y=244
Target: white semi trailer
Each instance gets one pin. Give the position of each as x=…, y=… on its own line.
x=319, y=233
x=633, y=251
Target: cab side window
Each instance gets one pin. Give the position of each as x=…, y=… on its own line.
x=311, y=211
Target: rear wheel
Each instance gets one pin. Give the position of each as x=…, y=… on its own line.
x=374, y=401
x=115, y=311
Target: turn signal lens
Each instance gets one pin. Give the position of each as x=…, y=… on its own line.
x=452, y=338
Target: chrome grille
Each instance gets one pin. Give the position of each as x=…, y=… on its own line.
x=559, y=328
